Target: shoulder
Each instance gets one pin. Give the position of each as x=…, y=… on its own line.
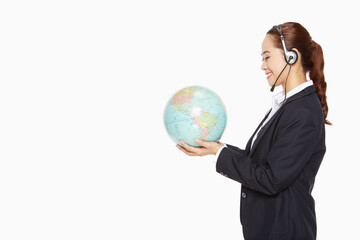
x=306, y=111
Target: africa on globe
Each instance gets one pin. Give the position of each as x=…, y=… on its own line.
x=195, y=112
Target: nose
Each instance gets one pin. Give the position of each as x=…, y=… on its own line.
x=263, y=66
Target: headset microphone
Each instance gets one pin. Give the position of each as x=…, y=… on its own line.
x=273, y=86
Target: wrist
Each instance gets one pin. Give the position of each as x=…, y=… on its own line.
x=218, y=147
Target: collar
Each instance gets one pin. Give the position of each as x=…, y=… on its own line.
x=278, y=98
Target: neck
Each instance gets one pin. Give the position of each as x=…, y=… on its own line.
x=295, y=79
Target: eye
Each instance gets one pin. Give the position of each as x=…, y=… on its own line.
x=266, y=58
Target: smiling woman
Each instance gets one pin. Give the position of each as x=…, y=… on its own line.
x=310, y=54
x=277, y=168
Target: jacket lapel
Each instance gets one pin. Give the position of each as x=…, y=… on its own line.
x=247, y=149
x=263, y=130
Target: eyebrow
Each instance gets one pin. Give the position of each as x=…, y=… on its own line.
x=265, y=52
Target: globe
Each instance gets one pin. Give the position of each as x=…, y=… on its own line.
x=195, y=112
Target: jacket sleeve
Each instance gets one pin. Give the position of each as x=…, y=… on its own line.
x=293, y=146
x=236, y=149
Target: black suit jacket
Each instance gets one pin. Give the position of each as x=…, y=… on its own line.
x=278, y=173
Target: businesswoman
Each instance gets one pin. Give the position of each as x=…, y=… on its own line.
x=277, y=168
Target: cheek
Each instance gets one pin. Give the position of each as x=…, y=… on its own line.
x=276, y=63
x=275, y=67
x=272, y=67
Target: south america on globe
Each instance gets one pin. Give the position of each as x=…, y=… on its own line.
x=195, y=112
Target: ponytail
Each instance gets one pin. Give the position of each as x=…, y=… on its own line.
x=316, y=74
x=312, y=60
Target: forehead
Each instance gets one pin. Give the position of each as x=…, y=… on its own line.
x=268, y=43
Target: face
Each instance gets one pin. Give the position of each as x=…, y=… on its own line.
x=273, y=61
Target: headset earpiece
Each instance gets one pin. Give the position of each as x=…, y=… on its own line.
x=291, y=57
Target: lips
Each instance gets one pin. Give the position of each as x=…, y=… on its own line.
x=269, y=74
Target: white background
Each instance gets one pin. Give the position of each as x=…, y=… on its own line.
x=83, y=150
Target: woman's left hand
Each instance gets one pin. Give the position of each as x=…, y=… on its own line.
x=206, y=148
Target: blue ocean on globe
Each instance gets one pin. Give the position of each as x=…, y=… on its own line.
x=195, y=112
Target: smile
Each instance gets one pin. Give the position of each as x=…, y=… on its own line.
x=269, y=75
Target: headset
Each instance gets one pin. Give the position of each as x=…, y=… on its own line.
x=290, y=56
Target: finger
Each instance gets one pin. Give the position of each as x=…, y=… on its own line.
x=202, y=143
x=189, y=148
x=195, y=151
x=185, y=151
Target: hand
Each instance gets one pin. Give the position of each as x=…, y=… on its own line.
x=206, y=148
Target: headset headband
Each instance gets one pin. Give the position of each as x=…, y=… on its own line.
x=290, y=56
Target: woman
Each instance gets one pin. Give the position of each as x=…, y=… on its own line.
x=277, y=168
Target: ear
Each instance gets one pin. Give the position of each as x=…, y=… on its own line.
x=297, y=51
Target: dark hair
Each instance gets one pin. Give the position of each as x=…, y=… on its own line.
x=312, y=60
